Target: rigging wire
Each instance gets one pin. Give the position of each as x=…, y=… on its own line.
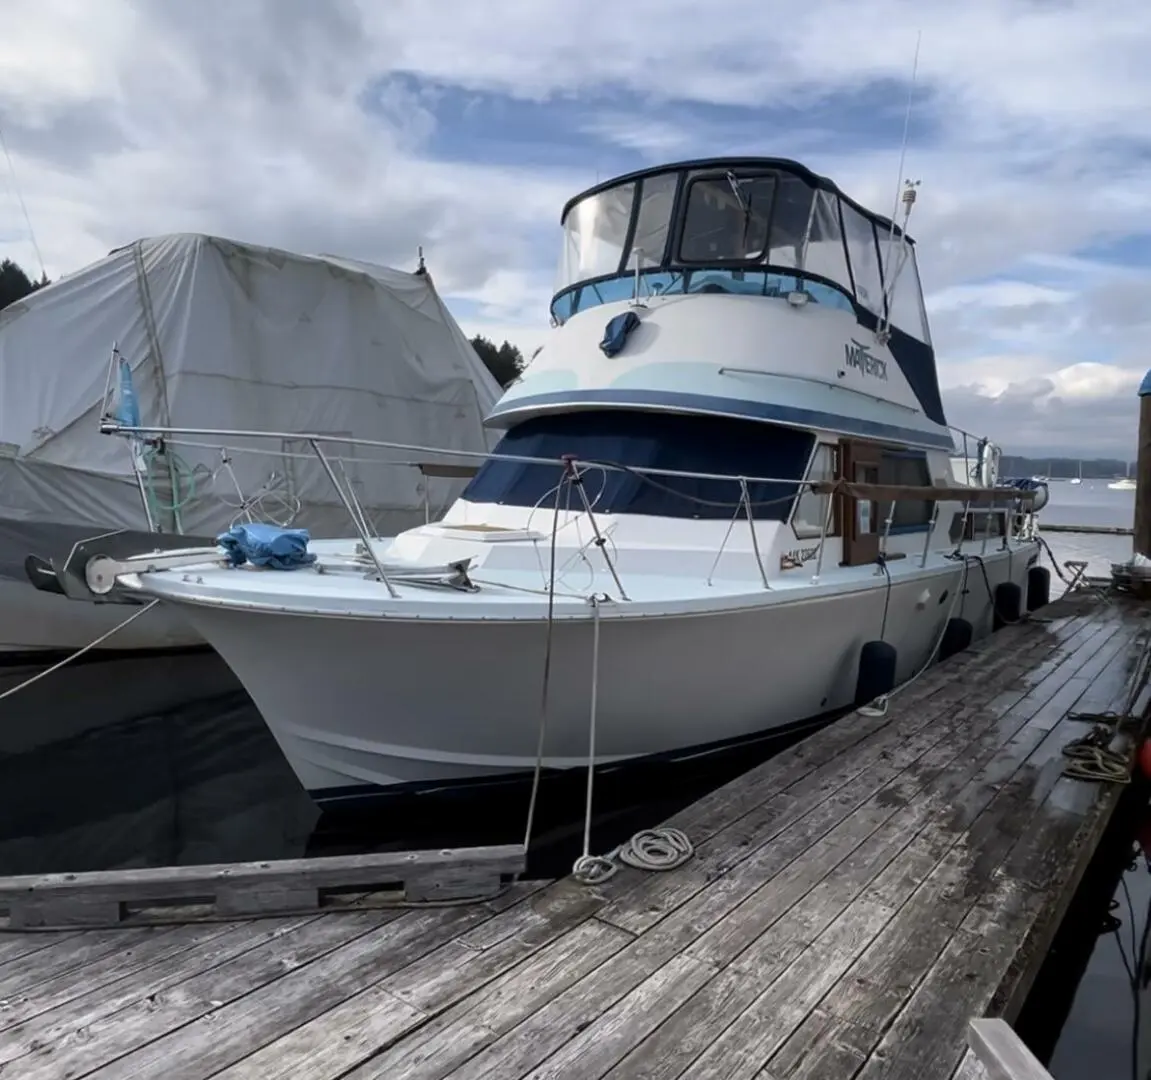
x=549, y=634
x=23, y=206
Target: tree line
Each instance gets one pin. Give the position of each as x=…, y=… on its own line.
x=1064, y=468
x=16, y=283
x=505, y=361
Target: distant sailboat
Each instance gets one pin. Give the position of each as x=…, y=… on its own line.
x=1078, y=479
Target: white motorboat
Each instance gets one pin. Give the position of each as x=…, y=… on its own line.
x=1124, y=483
x=246, y=335
x=726, y=501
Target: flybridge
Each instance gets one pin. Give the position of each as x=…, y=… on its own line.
x=766, y=228
x=741, y=216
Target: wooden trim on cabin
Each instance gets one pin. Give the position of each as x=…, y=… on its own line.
x=926, y=493
x=858, y=464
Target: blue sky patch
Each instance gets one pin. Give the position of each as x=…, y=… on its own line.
x=618, y=130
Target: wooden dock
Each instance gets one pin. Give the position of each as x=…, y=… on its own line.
x=852, y=905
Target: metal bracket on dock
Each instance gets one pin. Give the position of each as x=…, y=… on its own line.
x=1002, y=1053
x=258, y=888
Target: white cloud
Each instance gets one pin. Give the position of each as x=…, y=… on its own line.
x=1008, y=375
x=249, y=118
x=1061, y=63
x=997, y=294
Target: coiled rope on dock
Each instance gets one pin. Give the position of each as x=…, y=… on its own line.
x=1091, y=756
x=1090, y=761
x=649, y=849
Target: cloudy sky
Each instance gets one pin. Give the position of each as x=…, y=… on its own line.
x=370, y=128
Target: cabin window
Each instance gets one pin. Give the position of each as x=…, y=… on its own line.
x=824, y=252
x=812, y=509
x=595, y=233
x=863, y=254
x=727, y=219
x=976, y=524
x=908, y=469
x=653, y=220
x=680, y=442
x=789, y=220
x=905, y=295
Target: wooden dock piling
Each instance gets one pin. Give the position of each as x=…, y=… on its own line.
x=1142, y=541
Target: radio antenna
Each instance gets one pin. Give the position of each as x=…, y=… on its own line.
x=907, y=122
x=904, y=192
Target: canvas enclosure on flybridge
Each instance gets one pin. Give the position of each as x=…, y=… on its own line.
x=225, y=335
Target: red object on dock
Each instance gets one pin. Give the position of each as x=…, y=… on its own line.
x=1145, y=758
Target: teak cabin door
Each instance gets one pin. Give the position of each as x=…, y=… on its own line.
x=859, y=464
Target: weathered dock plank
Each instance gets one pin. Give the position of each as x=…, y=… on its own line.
x=852, y=905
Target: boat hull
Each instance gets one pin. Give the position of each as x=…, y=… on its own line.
x=363, y=703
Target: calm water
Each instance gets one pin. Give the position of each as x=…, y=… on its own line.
x=1090, y=503
x=131, y=763
x=1089, y=1011
x=139, y=763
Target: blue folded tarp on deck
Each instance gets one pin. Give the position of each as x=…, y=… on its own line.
x=616, y=332
x=267, y=545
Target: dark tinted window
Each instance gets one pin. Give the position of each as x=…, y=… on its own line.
x=727, y=219
x=908, y=469
x=674, y=441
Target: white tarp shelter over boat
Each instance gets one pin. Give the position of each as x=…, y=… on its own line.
x=226, y=335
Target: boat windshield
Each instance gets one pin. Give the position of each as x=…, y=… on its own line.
x=760, y=231
x=680, y=442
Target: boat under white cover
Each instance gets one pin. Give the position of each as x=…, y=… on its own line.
x=212, y=331
x=37, y=625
